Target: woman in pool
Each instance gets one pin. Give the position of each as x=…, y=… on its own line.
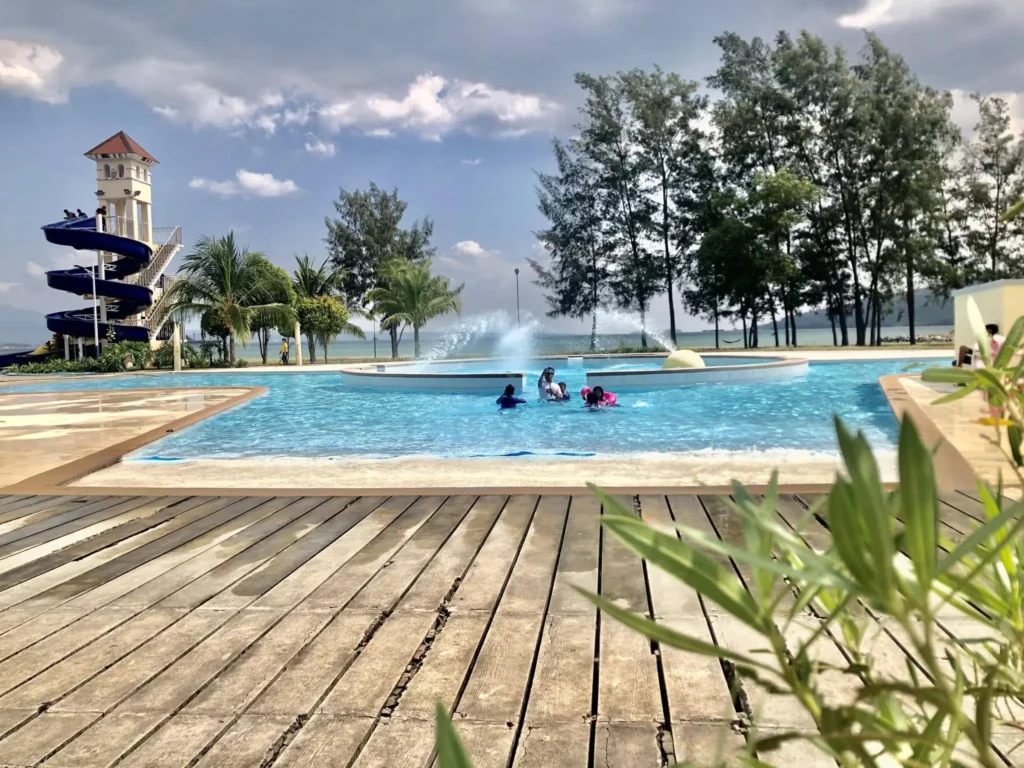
x=602, y=399
x=509, y=399
x=547, y=389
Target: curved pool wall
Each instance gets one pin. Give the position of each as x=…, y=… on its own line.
x=439, y=376
x=770, y=369
x=424, y=381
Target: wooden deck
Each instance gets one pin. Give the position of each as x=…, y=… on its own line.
x=304, y=632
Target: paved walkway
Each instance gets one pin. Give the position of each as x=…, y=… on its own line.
x=298, y=632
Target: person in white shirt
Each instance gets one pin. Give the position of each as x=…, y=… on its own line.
x=547, y=389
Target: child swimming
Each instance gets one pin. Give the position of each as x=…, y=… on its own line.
x=509, y=399
x=565, y=390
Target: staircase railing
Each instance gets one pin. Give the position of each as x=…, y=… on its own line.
x=156, y=315
x=171, y=242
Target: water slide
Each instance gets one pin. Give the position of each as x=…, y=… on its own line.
x=123, y=299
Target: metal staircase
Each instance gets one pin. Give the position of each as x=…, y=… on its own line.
x=153, y=277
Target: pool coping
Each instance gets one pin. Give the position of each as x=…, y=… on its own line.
x=952, y=469
x=55, y=481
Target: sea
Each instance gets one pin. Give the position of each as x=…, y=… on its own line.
x=438, y=345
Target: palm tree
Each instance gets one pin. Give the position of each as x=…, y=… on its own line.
x=312, y=282
x=222, y=285
x=412, y=295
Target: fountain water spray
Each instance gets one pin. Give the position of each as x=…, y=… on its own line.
x=465, y=331
x=606, y=316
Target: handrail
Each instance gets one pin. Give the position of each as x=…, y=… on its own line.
x=160, y=260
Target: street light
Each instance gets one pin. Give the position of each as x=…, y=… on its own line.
x=95, y=310
x=518, y=322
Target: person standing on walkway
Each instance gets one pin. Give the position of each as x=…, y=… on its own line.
x=284, y=351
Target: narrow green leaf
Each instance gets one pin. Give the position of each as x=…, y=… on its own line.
x=1013, y=341
x=1014, y=435
x=949, y=375
x=1013, y=211
x=450, y=752
x=977, y=323
x=667, y=636
x=920, y=502
x=687, y=564
x=959, y=394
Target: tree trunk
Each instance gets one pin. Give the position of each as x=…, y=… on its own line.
x=775, y=324
x=643, y=328
x=416, y=341
x=311, y=343
x=743, y=318
x=264, y=339
x=669, y=276
x=394, y=342
x=832, y=319
x=792, y=318
x=717, y=345
x=910, y=298
x=231, y=348
x=323, y=343
x=844, y=331
x=878, y=321
x=593, y=333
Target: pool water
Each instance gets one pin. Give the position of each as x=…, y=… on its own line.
x=312, y=415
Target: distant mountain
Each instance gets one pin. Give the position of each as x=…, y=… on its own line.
x=22, y=328
x=929, y=310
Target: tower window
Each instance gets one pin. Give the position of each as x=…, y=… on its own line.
x=120, y=171
x=106, y=171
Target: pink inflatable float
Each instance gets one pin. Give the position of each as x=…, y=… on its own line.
x=607, y=398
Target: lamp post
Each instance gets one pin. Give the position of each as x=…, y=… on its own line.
x=518, y=322
x=95, y=310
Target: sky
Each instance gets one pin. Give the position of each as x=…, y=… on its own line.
x=259, y=111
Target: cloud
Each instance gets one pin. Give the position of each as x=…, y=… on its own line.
x=433, y=107
x=965, y=111
x=35, y=270
x=319, y=147
x=881, y=13
x=474, y=161
x=4, y=287
x=473, y=249
x=30, y=69
x=247, y=183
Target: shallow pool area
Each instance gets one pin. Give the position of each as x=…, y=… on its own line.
x=313, y=415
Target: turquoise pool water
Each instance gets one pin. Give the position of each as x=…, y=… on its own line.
x=312, y=415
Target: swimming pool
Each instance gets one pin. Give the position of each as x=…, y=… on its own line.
x=312, y=415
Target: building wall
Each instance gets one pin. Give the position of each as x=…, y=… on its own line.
x=1000, y=302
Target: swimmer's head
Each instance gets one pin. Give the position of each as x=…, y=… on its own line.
x=549, y=374
x=599, y=391
x=510, y=390
x=562, y=385
x=592, y=398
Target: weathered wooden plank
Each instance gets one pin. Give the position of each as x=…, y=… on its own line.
x=76, y=514
x=28, y=505
x=348, y=580
x=304, y=580
x=45, y=508
x=267, y=576
x=313, y=670
x=695, y=686
x=444, y=667
x=489, y=745
x=703, y=744
x=563, y=682
x=83, y=543
x=105, y=742
x=487, y=576
x=801, y=753
x=627, y=744
x=110, y=688
x=38, y=627
x=185, y=573
x=553, y=745
x=628, y=670
x=76, y=578
x=578, y=563
x=40, y=738
x=176, y=743
x=233, y=690
x=967, y=502
x=392, y=582
x=498, y=684
x=169, y=690
x=364, y=688
x=58, y=537
x=398, y=744
x=325, y=741
x=247, y=743
x=60, y=679
x=289, y=524
x=451, y=562
x=12, y=718
x=33, y=660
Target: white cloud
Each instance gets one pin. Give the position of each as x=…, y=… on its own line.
x=30, y=69
x=4, y=287
x=881, y=13
x=297, y=116
x=965, y=111
x=35, y=270
x=474, y=161
x=247, y=183
x=380, y=133
x=433, y=107
x=473, y=249
x=317, y=146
